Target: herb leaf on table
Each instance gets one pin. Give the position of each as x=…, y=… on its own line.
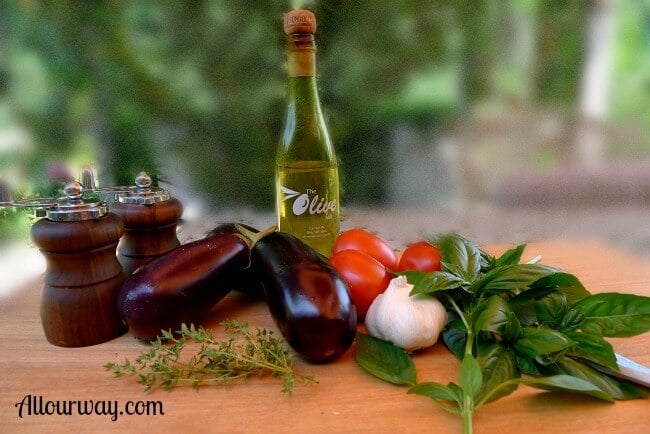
x=385, y=360
x=615, y=315
x=512, y=323
x=243, y=353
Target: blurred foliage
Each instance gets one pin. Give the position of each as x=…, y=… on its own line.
x=631, y=99
x=561, y=42
x=16, y=223
x=194, y=90
x=199, y=86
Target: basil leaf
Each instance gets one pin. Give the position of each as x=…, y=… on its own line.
x=551, y=310
x=385, y=360
x=436, y=281
x=413, y=276
x=492, y=316
x=565, y=283
x=513, y=329
x=487, y=261
x=615, y=315
x=592, y=348
x=510, y=257
x=456, y=270
x=568, y=383
x=525, y=364
x=511, y=277
x=572, y=320
x=438, y=392
x=525, y=313
x=618, y=389
x=538, y=341
x=454, y=336
x=550, y=358
x=459, y=256
x=498, y=367
x=470, y=377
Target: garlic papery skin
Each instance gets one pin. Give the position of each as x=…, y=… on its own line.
x=410, y=322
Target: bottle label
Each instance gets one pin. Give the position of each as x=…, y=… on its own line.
x=308, y=203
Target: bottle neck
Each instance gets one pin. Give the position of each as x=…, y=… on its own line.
x=302, y=92
x=305, y=136
x=301, y=51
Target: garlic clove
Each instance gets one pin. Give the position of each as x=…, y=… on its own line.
x=410, y=322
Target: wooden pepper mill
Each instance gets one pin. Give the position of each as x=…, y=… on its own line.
x=150, y=217
x=83, y=276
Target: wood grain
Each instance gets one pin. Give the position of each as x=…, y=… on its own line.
x=149, y=231
x=82, y=280
x=344, y=400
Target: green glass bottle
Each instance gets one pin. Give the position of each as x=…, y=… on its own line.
x=306, y=176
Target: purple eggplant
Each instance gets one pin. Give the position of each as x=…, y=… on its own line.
x=248, y=283
x=309, y=301
x=181, y=286
x=231, y=228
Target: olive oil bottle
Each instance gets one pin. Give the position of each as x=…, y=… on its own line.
x=306, y=174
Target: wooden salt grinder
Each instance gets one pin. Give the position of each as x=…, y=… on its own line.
x=83, y=276
x=150, y=217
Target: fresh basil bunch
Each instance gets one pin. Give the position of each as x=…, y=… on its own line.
x=514, y=323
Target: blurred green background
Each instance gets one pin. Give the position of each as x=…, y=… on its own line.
x=429, y=103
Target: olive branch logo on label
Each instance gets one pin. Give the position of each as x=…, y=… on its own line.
x=289, y=193
x=305, y=203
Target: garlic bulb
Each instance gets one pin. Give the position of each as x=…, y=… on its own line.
x=410, y=322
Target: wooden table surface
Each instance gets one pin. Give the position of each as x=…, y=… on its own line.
x=345, y=399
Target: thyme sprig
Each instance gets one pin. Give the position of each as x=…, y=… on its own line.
x=242, y=354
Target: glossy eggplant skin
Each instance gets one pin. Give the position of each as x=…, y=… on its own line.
x=248, y=283
x=310, y=303
x=230, y=228
x=181, y=286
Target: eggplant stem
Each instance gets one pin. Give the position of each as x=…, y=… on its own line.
x=251, y=237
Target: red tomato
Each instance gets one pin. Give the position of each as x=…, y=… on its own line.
x=366, y=277
x=369, y=243
x=420, y=256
